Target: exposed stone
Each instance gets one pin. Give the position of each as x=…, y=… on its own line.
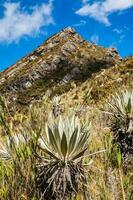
x=69, y=47
x=70, y=30
x=64, y=57
x=50, y=45
x=28, y=84
x=119, y=80
x=56, y=60
x=32, y=57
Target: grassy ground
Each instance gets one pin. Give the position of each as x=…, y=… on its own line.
x=106, y=178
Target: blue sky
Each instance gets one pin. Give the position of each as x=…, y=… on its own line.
x=25, y=24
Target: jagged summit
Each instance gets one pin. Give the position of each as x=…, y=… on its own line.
x=62, y=58
x=69, y=30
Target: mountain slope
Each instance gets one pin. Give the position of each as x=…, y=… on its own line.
x=103, y=84
x=63, y=58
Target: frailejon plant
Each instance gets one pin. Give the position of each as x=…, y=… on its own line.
x=120, y=110
x=16, y=160
x=12, y=145
x=60, y=171
x=16, y=171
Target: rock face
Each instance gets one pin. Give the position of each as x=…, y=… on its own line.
x=63, y=58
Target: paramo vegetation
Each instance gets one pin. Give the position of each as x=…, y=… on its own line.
x=66, y=123
x=78, y=154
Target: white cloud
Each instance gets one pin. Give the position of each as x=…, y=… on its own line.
x=85, y=1
x=121, y=33
x=118, y=31
x=121, y=38
x=81, y=23
x=17, y=22
x=94, y=38
x=100, y=10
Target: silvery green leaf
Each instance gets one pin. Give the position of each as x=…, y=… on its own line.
x=64, y=145
x=57, y=136
x=78, y=155
x=4, y=154
x=60, y=127
x=73, y=140
x=50, y=153
x=52, y=140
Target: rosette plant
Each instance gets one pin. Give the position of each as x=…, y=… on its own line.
x=11, y=145
x=120, y=110
x=60, y=169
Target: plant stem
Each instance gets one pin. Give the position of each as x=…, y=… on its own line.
x=121, y=182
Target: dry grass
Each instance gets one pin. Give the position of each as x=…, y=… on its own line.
x=106, y=179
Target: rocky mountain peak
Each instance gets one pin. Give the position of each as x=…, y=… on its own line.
x=69, y=29
x=67, y=34
x=62, y=58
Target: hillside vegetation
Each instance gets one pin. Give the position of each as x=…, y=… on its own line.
x=107, y=177
x=66, y=123
x=63, y=58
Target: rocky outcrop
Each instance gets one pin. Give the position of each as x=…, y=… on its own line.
x=64, y=57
